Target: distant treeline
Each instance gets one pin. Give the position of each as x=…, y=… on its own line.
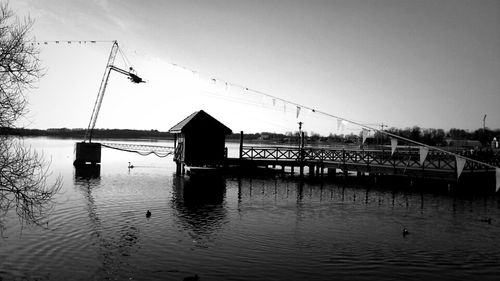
x=434, y=137
x=80, y=133
x=438, y=137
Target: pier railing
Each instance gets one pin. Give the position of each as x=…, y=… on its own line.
x=408, y=157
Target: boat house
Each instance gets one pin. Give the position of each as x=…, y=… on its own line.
x=199, y=141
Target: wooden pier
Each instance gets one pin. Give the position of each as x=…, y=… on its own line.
x=329, y=161
x=195, y=153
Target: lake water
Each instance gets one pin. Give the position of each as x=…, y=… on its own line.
x=244, y=228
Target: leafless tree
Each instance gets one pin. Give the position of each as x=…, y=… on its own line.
x=23, y=187
x=20, y=66
x=23, y=172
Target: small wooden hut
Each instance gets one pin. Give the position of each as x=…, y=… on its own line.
x=199, y=141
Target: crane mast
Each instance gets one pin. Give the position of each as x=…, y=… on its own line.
x=90, y=152
x=104, y=82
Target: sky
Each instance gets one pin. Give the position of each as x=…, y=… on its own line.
x=432, y=64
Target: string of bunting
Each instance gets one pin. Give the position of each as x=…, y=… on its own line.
x=84, y=42
x=70, y=42
x=366, y=129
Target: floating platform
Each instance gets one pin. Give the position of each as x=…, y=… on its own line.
x=87, y=153
x=205, y=171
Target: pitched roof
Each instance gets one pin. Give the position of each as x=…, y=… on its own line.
x=198, y=116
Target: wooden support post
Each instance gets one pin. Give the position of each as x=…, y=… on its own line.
x=311, y=170
x=241, y=144
x=177, y=168
x=344, y=165
x=331, y=172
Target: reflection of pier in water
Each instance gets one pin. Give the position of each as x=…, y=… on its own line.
x=200, y=203
x=284, y=191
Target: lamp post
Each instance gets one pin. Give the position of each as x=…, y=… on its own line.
x=301, y=148
x=301, y=137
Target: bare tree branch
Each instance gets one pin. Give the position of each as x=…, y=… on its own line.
x=20, y=67
x=23, y=172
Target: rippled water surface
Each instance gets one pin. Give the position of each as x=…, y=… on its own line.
x=243, y=228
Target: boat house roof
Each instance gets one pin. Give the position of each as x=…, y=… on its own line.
x=199, y=120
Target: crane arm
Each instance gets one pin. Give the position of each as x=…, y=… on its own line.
x=131, y=74
x=100, y=95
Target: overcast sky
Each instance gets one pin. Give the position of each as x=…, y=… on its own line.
x=434, y=64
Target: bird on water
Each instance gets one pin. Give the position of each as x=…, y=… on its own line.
x=488, y=220
x=192, y=278
x=405, y=232
x=130, y=166
x=148, y=214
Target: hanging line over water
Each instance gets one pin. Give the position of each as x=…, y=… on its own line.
x=143, y=150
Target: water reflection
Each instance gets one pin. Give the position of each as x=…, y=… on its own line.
x=87, y=171
x=199, y=202
x=299, y=192
x=114, y=242
x=252, y=229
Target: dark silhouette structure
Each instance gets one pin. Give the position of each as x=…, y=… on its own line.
x=199, y=141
